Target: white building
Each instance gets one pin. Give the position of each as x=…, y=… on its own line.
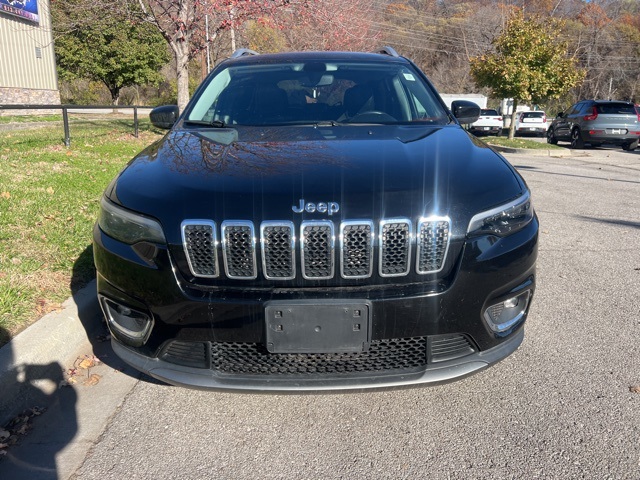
x=27, y=60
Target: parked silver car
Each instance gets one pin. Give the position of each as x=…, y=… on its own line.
x=597, y=122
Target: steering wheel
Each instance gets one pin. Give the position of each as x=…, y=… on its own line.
x=372, y=116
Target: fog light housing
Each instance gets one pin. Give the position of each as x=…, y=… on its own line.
x=129, y=325
x=507, y=313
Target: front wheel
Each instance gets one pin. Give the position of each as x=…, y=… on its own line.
x=576, y=139
x=551, y=137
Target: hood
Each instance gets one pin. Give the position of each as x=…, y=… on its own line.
x=362, y=172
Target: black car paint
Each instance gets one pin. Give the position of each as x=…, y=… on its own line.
x=260, y=173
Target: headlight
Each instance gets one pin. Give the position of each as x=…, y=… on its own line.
x=503, y=220
x=126, y=226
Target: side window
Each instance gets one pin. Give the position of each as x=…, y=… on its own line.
x=573, y=109
x=584, y=106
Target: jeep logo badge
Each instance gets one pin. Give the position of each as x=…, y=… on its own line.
x=329, y=207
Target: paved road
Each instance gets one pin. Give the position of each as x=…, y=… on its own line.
x=560, y=407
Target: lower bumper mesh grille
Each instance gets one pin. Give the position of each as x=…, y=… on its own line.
x=383, y=355
x=253, y=358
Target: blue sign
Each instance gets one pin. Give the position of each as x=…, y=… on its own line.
x=27, y=9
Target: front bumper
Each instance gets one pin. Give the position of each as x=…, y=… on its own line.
x=199, y=378
x=418, y=333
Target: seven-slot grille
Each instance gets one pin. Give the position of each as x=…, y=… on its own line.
x=316, y=245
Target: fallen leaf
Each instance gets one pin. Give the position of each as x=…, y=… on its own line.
x=635, y=389
x=92, y=380
x=86, y=363
x=50, y=191
x=6, y=195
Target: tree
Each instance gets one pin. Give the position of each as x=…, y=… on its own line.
x=118, y=54
x=182, y=23
x=528, y=63
x=329, y=25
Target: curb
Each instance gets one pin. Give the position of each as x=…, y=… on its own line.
x=36, y=357
x=533, y=151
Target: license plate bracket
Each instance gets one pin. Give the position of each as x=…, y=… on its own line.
x=317, y=327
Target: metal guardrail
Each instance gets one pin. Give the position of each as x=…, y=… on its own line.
x=65, y=113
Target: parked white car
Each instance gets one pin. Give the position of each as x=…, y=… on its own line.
x=489, y=123
x=532, y=123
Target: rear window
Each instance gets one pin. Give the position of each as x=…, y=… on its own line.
x=488, y=112
x=616, y=108
x=533, y=115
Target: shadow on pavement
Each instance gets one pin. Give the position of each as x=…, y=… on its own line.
x=37, y=386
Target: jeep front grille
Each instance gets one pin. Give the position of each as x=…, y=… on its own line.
x=200, y=246
x=317, y=248
x=395, y=251
x=357, y=249
x=432, y=241
x=239, y=250
x=278, y=247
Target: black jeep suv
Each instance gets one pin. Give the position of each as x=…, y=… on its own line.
x=316, y=221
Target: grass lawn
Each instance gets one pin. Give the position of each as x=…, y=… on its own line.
x=520, y=142
x=49, y=198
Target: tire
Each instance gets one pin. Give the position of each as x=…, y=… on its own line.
x=551, y=136
x=576, y=139
x=630, y=146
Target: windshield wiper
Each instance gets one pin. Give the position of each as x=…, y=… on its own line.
x=208, y=123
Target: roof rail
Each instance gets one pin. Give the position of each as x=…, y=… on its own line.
x=387, y=51
x=242, y=52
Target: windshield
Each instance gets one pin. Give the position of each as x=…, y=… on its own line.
x=316, y=92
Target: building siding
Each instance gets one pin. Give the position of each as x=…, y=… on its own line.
x=20, y=67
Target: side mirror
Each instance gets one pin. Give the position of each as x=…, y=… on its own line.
x=164, y=117
x=465, y=111
x=560, y=114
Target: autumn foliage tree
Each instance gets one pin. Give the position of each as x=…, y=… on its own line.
x=527, y=63
x=183, y=24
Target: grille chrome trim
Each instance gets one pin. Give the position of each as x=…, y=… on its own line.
x=266, y=245
x=317, y=245
x=208, y=251
x=432, y=230
x=239, y=261
x=356, y=258
x=320, y=266
x=395, y=238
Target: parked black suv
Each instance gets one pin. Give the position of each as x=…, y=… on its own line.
x=316, y=221
x=597, y=122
